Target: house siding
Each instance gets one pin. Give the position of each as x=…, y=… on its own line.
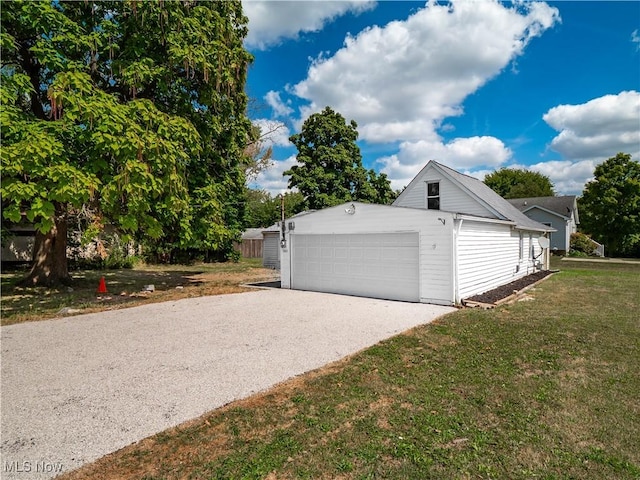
x=488, y=256
x=560, y=240
x=435, y=240
x=452, y=197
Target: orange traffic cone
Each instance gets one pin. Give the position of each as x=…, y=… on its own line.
x=102, y=286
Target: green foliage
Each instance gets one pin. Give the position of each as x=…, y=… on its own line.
x=330, y=170
x=581, y=244
x=263, y=210
x=516, y=183
x=610, y=206
x=134, y=109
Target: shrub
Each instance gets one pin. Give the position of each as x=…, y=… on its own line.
x=581, y=243
x=106, y=252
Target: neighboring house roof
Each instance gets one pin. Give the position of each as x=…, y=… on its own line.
x=252, y=234
x=563, y=206
x=500, y=207
x=273, y=228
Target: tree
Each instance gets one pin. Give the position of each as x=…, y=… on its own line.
x=516, y=183
x=610, y=205
x=263, y=210
x=134, y=111
x=329, y=170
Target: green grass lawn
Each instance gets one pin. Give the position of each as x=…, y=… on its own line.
x=546, y=388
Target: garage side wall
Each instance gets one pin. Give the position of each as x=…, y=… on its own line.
x=435, y=240
x=490, y=255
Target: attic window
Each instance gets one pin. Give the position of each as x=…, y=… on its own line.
x=433, y=195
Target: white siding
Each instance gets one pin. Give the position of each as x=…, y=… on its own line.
x=414, y=197
x=488, y=256
x=452, y=197
x=435, y=240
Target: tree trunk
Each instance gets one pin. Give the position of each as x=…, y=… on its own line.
x=49, y=267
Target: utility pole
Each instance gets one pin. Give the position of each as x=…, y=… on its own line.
x=283, y=241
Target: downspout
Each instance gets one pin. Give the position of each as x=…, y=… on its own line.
x=457, y=225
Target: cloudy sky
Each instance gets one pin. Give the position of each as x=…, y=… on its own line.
x=476, y=85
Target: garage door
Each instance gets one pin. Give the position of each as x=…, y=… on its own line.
x=383, y=265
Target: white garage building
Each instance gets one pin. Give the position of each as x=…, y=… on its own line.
x=446, y=237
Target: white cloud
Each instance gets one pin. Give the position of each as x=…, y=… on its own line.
x=590, y=133
x=598, y=129
x=401, y=80
x=635, y=38
x=272, y=21
x=464, y=154
x=273, y=133
x=568, y=177
x=272, y=179
x=280, y=108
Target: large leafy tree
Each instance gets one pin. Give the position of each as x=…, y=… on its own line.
x=263, y=209
x=131, y=111
x=516, y=183
x=329, y=170
x=610, y=205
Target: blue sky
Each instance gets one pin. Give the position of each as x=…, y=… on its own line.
x=477, y=85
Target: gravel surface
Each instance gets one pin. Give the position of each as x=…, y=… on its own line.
x=77, y=388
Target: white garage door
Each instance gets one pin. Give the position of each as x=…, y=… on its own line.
x=382, y=265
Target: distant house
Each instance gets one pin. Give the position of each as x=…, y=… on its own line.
x=560, y=213
x=17, y=246
x=447, y=237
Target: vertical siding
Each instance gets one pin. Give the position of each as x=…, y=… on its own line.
x=249, y=247
x=452, y=198
x=488, y=256
x=271, y=250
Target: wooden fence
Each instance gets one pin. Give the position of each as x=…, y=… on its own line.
x=250, y=248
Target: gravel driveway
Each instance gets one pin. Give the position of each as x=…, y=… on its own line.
x=77, y=388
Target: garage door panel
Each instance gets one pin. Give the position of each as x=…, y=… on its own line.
x=342, y=253
x=372, y=265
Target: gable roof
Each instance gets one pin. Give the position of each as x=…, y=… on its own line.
x=498, y=206
x=252, y=234
x=562, y=206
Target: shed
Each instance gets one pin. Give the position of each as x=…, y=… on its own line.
x=446, y=237
x=271, y=246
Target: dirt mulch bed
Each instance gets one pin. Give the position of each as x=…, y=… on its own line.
x=497, y=294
